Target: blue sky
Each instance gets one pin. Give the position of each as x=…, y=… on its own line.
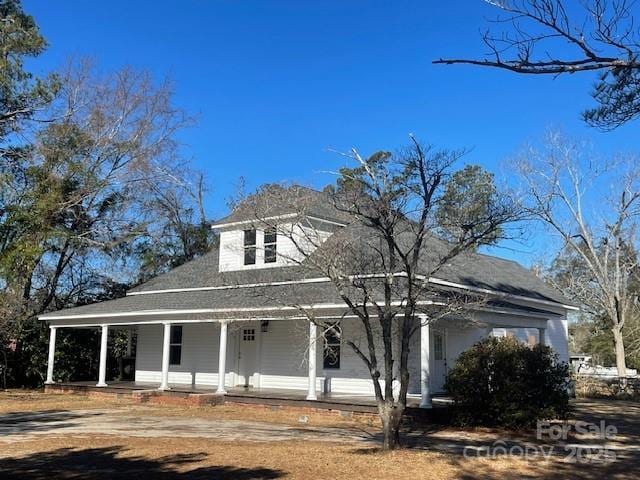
x=277, y=84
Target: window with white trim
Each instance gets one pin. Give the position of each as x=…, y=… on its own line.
x=248, y=334
x=332, y=344
x=175, y=345
x=270, y=245
x=250, y=246
x=438, y=346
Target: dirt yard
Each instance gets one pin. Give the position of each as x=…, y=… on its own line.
x=73, y=437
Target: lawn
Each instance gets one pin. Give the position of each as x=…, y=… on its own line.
x=86, y=456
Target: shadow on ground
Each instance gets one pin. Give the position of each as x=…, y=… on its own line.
x=543, y=470
x=36, y=422
x=112, y=462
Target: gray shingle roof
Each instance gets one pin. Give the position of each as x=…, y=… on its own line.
x=474, y=270
x=281, y=200
x=469, y=269
x=214, y=300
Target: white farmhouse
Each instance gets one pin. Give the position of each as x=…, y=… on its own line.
x=231, y=321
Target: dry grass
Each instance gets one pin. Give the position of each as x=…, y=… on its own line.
x=115, y=457
x=34, y=400
x=87, y=457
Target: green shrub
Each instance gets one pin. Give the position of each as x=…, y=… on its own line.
x=504, y=382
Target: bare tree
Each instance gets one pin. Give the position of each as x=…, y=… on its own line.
x=594, y=206
x=601, y=37
x=177, y=228
x=397, y=208
x=74, y=206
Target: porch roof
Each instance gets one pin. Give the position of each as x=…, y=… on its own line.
x=214, y=304
x=238, y=304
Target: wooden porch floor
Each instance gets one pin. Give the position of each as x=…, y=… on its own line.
x=258, y=396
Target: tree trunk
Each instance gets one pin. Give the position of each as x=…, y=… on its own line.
x=621, y=362
x=391, y=417
x=5, y=366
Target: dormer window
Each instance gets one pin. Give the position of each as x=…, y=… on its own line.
x=270, y=245
x=250, y=247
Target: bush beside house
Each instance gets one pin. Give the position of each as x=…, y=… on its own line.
x=504, y=382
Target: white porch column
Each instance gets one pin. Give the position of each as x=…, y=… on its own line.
x=166, y=339
x=541, y=336
x=313, y=337
x=52, y=355
x=102, y=373
x=222, y=358
x=425, y=391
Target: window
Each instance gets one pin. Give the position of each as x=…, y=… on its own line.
x=438, y=346
x=175, y=345
x=332, y=346
x=249, y=334
x=270, y=245
x=250, y=247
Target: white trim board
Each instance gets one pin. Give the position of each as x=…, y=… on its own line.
x=255, y=220
x=231, y=287
x=488, y=291
x=275, y=217
x=434, y=280
x=213, y=310
x=500, y=311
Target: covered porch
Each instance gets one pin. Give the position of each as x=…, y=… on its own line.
x=275, y=358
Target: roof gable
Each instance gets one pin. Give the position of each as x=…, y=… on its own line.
x=273, y=201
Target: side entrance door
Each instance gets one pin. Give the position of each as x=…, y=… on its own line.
x=439, y=355
x=247, y=356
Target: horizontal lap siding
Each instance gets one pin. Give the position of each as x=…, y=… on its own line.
x=461, y=339
x=288, y=252
x=557, y=337
x=199, y=362
x=353, y=375
x=282, y=358
x=283, y=361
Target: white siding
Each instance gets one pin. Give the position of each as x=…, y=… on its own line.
x=556, y=334
x=557, y=337
x=232, y=247
x=461, y=338
x=231, y=250
x=282, y=355
x=199, y=362
x=283, y=362
x=282, y=358
x=353, y=376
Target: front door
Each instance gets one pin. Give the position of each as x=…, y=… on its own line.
x=439, y=349
x=247, y=356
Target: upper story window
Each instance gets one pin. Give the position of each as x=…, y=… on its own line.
x=270, y=245
x=250, y=247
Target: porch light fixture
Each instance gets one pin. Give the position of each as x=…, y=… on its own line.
x=264, y=326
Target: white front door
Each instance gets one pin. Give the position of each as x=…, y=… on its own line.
x=439, y=354
x=248, y=356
